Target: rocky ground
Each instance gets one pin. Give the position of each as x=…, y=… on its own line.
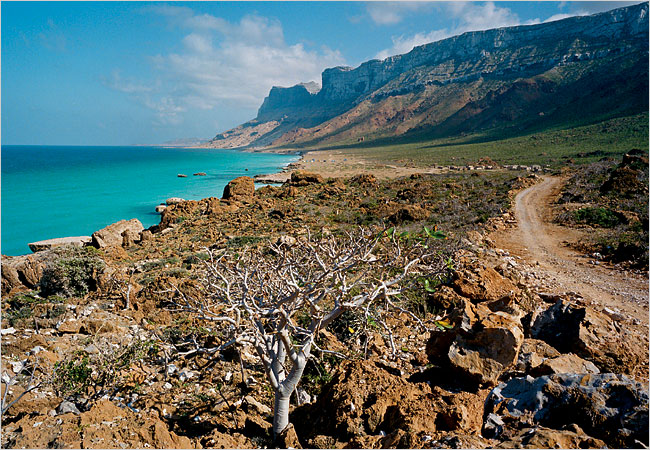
x=507, y=360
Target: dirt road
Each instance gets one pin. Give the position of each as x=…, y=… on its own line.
x=543, y=245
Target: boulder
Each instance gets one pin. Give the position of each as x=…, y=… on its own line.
x=533, y=352
x=181, y=175
x=481, y=283
x=47, y=244
x=130, y=237
x=481, y=345
x=608, y=406
x=200, y=174
x=146, y=235
x=568, y=363
x=239, y=189
x=174, y=200
x=23, y=271
x=303, y=178
x=112, y=234
x=160, y=208
x=489, y=350
x=589, y=334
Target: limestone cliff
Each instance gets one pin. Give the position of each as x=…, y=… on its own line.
x=454, y=85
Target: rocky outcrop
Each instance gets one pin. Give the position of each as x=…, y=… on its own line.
x=587, y=333
x=112, y=235
x=47, y=244
x=22, y=271
x=239, y=189
x=303, y=178
x=610, y=407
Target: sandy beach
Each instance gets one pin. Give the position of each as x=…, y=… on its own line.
x=338, y=163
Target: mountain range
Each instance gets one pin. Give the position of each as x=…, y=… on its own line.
x=504, y=81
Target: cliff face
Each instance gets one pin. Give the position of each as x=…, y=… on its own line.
x=480, y=64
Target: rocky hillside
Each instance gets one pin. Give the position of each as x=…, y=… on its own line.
x=481, y=353
x=504, y=80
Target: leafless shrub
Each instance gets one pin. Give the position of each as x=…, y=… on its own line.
x=261, y=297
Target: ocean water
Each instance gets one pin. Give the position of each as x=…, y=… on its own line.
x=57, y=191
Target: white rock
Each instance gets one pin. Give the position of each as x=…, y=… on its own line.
x=6, y=331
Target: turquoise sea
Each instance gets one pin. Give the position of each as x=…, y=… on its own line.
x=57, y=191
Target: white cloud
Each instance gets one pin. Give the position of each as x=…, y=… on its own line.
x=560, y=16
x=390, y=13
x=128, y=86
x=222, y=64
x=467, y=16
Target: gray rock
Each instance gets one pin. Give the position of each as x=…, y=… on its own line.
x=608, y=406
x=67, y=407
x=174, y=200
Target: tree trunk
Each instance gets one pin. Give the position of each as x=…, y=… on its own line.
x=280, y=411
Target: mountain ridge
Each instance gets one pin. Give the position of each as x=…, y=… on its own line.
x=461, y=76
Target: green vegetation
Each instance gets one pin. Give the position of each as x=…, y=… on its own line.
x=601, y=217
x=613, y=197
x=555, y=147
x=72, y=271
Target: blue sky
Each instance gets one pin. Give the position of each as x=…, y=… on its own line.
x=122, y=73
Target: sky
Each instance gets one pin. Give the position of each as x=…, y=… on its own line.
x=131, y=73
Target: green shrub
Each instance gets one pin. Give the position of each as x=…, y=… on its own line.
x=602, y=217
x=72, y=377
x=72, y=271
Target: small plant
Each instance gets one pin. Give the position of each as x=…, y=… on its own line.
x=72, y=377
x=602, y=217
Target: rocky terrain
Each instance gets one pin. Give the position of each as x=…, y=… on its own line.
x=486, y=353
x=507, y=80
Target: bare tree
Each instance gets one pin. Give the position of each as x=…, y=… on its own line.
x=10, y=381
x=278, y=299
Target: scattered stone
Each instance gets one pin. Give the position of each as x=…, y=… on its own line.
x=67, y=407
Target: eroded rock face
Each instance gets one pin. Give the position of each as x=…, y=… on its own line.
x=22, y=271
x=112, y=234
x=589, y=334
x=482, y=344
x=239, y=189
x=363, y=400
x=607, y=406
x=488, y=350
